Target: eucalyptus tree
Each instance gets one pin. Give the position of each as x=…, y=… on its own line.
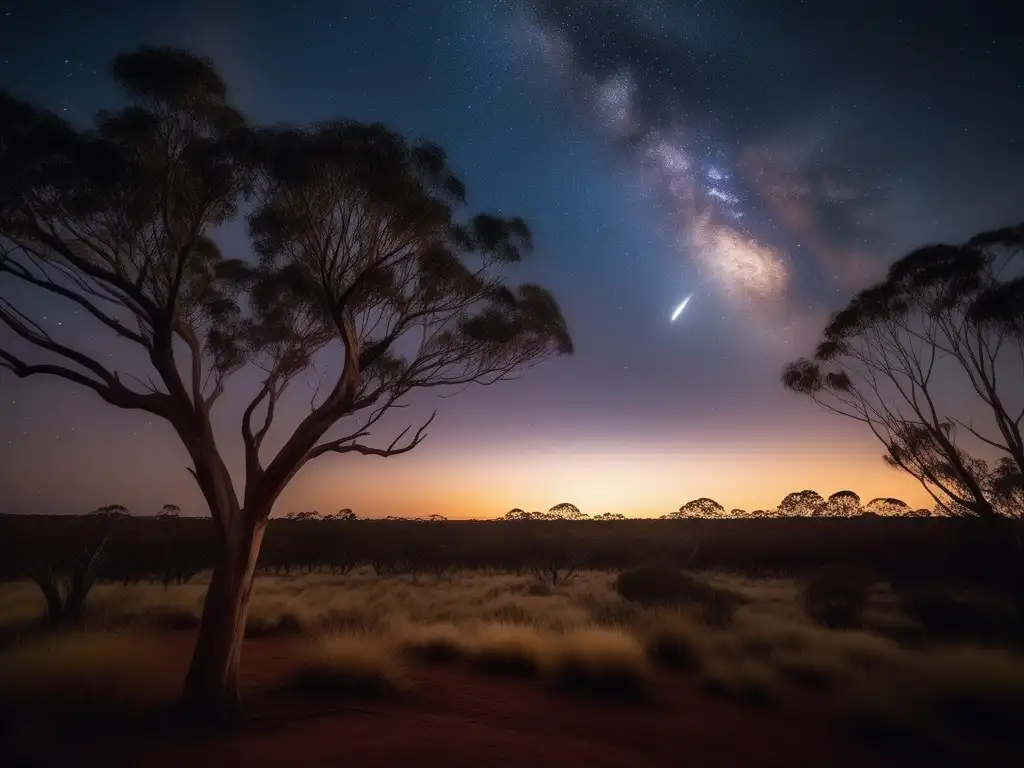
x=842, y=504
x=931, y=360
x=702, y=507
x=802, y=504
x=365, y=263
x=566, y=511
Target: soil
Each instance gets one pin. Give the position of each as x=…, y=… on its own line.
x=456, y=717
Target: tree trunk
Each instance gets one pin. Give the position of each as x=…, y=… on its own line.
x=211, y=687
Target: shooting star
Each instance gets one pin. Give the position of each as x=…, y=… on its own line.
x=680, y=308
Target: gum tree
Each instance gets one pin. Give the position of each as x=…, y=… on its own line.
x=944, y=316
x=364, y=263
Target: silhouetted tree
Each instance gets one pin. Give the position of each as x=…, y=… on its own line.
x=943, y=313
x=515, y=514
x=919, y=513
x=366, y=258
x=115, y=511
x=169, y=510
x=344, y=514
x=739, y=513
x=802, y=504
x=887, y=506
x=309, y=514
x=842, y=504
x=609, y=516
x=566, y=511
x=702, y=507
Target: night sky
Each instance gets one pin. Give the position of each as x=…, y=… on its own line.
x=769, y=158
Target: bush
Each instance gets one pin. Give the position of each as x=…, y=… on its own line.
x=664, y=585
x=836, y=597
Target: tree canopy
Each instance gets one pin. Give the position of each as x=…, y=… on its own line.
x=366, y=266
x=943, y=314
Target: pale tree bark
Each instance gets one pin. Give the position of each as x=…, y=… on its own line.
x=211, y=686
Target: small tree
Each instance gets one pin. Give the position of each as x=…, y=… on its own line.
x=113, y=511
x=842, y=504
x=702, y=507
x=887, y=506
x=169, y=510
x=366, y=267
x=802, y=504
x=566, y=511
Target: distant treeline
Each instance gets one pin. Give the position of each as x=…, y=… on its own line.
x=170, y=548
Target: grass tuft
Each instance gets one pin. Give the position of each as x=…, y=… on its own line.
x=503, y=648
x=434, y=643
x=603, y=662
x=356, y=665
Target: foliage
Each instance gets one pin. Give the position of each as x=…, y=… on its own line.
x=566, y=511
x=942, y=312
x=662, y=585
x=802, y=504
x=842, y=504
x=364, y=257
x=703, y=507
x=888, y=506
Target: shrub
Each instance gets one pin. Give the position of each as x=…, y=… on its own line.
x=655, y=584
x=357, y=665
x=836, y=597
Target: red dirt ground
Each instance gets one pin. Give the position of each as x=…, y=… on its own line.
x=461, y=718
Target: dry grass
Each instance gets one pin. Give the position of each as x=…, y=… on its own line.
x=577, y=636
x=599, y=661
x=94, y=672
x=355, y=664
x=508, y=649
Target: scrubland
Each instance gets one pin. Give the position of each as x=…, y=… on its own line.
x=890, y=665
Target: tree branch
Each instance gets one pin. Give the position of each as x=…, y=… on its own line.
x=344, y=446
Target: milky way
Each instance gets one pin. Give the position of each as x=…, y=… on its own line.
x=685, y=172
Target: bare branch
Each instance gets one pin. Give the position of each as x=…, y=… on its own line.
x=345, y=446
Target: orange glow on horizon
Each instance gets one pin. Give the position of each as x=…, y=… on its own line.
x=632, y=483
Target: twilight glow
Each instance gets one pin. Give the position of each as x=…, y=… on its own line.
x=772, y=159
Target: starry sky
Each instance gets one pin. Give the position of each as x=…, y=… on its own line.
x=767, y=159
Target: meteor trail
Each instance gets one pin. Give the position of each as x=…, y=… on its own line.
x=680, y=308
